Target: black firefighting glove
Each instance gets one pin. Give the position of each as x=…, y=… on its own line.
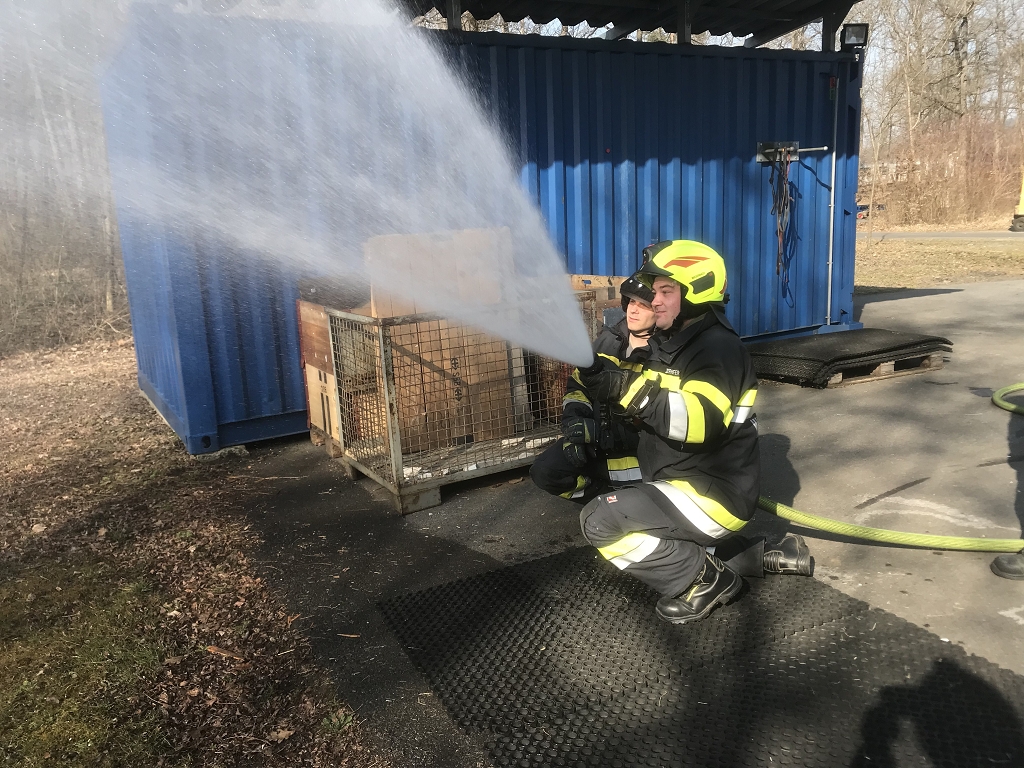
x=580, y=430
x=605, y=385
x=577, y=454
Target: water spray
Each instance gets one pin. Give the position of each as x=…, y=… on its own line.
x=288, y=144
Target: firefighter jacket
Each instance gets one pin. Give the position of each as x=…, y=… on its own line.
x=694, y=398
x=618, y=436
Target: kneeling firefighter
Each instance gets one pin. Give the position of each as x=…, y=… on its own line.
x=598, y=448
x=698, y=450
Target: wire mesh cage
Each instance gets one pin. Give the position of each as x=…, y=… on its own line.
x=424, y=401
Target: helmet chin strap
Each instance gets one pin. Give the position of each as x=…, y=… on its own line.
x=646, y=333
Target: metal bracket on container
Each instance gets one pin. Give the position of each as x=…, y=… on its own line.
x=776, y=151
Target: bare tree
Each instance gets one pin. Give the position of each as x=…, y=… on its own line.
x=942, y=100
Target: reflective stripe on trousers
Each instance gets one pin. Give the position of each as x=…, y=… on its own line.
x=705, y=514
x=630, y=549
x=643, y=537
x=580, y=489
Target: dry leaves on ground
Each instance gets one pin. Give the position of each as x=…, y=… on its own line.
x=88, y=468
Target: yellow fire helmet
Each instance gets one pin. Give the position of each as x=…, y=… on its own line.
x=698, y=268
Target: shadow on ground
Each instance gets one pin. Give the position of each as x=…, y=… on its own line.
x=561, y=661
x=954, y=716
x=871, y=294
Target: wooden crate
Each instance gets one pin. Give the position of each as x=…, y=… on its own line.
x=314, y=336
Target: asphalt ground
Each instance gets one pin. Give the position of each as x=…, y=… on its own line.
x=926, y=452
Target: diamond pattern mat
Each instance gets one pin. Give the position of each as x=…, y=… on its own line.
x=562, y=662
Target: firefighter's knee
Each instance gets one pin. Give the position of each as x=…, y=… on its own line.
x=538, y=474
x=545, y=476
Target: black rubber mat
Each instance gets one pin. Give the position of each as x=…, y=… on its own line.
x=562, y=662
x=814, y=359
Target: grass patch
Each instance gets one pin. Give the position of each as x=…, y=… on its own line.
x=78, y=649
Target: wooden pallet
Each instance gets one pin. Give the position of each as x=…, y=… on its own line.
x=887, y=370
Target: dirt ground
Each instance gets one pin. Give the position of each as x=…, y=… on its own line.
x=999, y=222
x=906, y=263
x=133, y=628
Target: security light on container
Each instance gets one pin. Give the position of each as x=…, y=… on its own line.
x=853, y=37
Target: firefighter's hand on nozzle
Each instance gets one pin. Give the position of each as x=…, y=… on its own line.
x=606, y=385
x=576, y=454
x=580, y=430
x=595, y=367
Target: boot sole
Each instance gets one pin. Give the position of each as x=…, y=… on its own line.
x=1004, y=574
x=722, y=599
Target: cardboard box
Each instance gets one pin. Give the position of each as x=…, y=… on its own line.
x=322, y=399
x=453, y=385
x=469, y=265
x=314, y=336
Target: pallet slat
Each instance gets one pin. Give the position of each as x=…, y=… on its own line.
x=887, y=370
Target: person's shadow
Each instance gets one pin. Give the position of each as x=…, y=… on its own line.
x=957, y=718
x=779, y=480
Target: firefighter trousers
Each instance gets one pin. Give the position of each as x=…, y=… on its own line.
x=553, y=473
x=659, y=532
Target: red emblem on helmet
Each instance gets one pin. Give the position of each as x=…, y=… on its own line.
x=689, y=261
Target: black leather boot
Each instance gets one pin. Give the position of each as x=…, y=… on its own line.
x=714, y=584
x=1009, y=566
x=790, y=555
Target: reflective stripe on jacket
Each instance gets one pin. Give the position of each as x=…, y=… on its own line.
x=696, y=395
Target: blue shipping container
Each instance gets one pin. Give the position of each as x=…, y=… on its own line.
x=620, y=144
x=627, y=144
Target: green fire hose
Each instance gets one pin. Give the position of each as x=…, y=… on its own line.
x=927, y=541
x=999, y=398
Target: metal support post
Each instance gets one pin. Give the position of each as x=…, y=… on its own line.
x=829, y=26
x=1017, y=223
x=391, y=403
x=832, y=201
x=684, y=23
x=1020, y=205
x=454, y=14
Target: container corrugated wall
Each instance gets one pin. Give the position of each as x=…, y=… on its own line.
x=216, y=332
x=623, y=146
x=620, y=144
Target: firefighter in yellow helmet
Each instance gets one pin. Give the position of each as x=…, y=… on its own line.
x=698, y=451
